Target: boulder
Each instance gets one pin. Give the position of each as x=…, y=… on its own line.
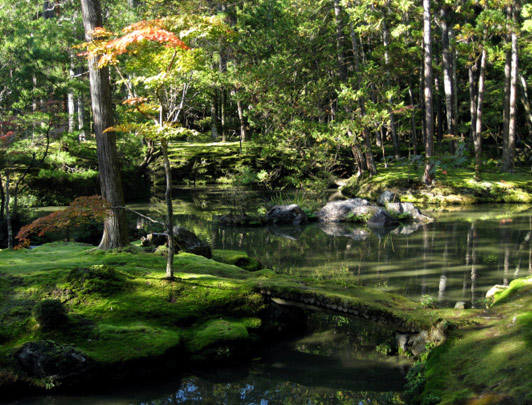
x=187, y=241
x=48, y=359
x=408, y=211
x=337, y=229
x=154, y=239
x=497, y=288
x=381, y=219
x=346, y=210
x=387, y=197
x=286, y=215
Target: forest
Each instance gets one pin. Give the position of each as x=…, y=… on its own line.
x=136, y=113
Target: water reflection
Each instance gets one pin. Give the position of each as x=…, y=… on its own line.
x=456, y=258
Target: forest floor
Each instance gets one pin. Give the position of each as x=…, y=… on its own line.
x=457, y=186
x=122, y=313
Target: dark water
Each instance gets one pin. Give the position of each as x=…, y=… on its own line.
x=336, y=363
x=456, y=258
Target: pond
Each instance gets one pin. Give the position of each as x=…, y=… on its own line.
x=340, y=361
x=456, y=258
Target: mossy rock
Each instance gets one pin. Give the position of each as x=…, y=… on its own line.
x=237, y=258
x=516, y=287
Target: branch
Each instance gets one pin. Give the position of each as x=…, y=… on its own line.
x=140, y=215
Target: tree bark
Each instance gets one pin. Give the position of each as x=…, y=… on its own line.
x=71, y=101
x=477, y=141
x=525, y=101
x=428, y=176
x=169, y=211
x=115, y=226
x=8, y=215
x=509, y=151
x=342, y=66
x=447, y=64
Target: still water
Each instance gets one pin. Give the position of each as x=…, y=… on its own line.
x=456, y=258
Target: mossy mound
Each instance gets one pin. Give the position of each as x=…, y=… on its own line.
x=487, y=356
x=456, y=187
x=236, y=258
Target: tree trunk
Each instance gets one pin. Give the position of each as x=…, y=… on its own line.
x=480, y=101
x=2, y=199
x=71, y=101
x=81, y=119
x=115, y=226
x=386, y=41
x=413, y=135
x=169, y=212
x=525, y=101
x=342, y=66
x=241, y=120
x=447, y=64
x=8, y=215
x=428, y=176
x=214, y=120
x=509, y=151
x=472, y=100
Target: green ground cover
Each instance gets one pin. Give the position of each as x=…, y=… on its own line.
x=120, y=309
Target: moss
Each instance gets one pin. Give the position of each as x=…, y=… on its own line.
x=215, y=332
x=458, y=186
x=237, y=258
x=518, y=286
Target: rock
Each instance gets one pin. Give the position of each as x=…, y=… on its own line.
x=497, y=288
x=346, y=210
x=240, y=220
x=286, y=215
x=46, y=358
x=187, y=241
x=460, y=305
x=387, y=197
x=337, y=229
x=407, y=210
x=381, y=219
x=154, y=239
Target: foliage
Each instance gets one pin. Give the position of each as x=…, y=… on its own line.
x=80, y=211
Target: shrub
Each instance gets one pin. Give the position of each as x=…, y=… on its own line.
x=50, y=314
x=99, y=279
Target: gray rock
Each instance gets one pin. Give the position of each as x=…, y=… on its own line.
x=387, y=197
x=286, y=215
x=187, y=241
x=408, y=210
x=381, y=219
x=460, y=305
x=497, y=288
x=46, y=358
x=341, y=211
x=338, y=229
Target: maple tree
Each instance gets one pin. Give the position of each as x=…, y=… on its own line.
x=80, y=211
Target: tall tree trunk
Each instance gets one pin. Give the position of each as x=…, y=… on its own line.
x=447, y=64
x=386, y=41
x=241, y=120
x=169, y=211
x=413, y=135
x=115, y=226
x=525, y=101
x=509, y=151
x=71, y=101
x=8, y=215
x=81, y=119
x=214, y=119
x=342, y=66
x=2, y=199
x=472, y=100
x=480, y=101
x=428, y=176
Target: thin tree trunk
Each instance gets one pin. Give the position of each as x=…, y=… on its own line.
x=413, y=136
x=2, y=199
x=472, y=100
x=115, y=226
x=386, y=41
x=509, y=153
x=342, y=66
x=214, y=120
x=242, y=123
x=439, y=108
x=8, y=216
x=525, y=101
x=71, y=101
x=81, y=119
x=447, y=64
x=454, y=81
x=429, y=122
x=169, y=212
x=480, y=101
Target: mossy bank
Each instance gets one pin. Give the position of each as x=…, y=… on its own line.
x=116, y=312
